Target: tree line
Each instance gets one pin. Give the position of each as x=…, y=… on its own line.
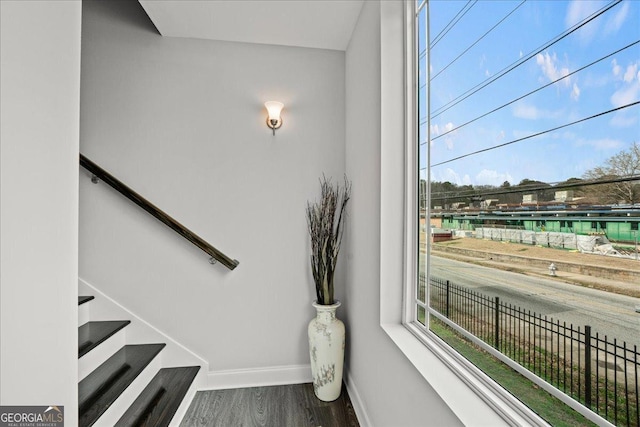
x=618, y=172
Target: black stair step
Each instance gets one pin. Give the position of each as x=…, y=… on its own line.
x=102, y=387
x=91, y=334
x=82, y=300
x=160, y=400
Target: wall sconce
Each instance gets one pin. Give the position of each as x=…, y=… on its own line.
x=274, y=121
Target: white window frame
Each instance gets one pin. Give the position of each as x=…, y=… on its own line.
x=472, y=396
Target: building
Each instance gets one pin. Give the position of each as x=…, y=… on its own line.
x=618, y=223
x=181, y=121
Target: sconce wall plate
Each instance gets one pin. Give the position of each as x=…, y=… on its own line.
x=274, y=124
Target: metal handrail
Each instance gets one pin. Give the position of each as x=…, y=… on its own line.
x=160, y=215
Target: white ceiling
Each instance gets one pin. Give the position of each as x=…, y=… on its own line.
x=324, y=24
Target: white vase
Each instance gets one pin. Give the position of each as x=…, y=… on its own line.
x=326, y=351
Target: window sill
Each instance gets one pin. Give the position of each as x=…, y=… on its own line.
x=468, y=392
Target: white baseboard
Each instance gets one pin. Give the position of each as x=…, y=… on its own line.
x=356, y=401
x=281, y=375
x=239, y=378
x=258, y=377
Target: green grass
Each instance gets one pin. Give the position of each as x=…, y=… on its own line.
x=550, y=408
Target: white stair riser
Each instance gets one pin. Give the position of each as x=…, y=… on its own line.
x=84, y=313
x=139, y=331
x=97, y=356
x=118, y=408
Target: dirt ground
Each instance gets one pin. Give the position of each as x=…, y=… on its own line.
x=619, y=286
x=542, y=253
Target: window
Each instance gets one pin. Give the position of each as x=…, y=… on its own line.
x=506, y=100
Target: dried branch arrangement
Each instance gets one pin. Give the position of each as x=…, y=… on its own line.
x=325, y=220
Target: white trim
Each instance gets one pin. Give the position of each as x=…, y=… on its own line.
x=469, y=399
x=357, y=402
x=392, y=160
x=166, y=337
x=412, y=173
x=490, y=391
x=473, y=396
x=258, y=377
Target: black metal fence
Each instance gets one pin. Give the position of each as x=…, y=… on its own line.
x=597, y=371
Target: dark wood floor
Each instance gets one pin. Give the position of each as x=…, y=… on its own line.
x=283, y=406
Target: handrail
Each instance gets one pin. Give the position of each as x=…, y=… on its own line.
x=157, y=213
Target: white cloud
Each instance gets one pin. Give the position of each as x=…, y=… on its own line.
x=483, y=60
x=599, y=144
x=615, y=22
x=553, y=71
x=564, y=136
x=628, y=90
x=492, y=177
x=630, y=74
x=441, y=130
x=523, y=111
x=448, y=127
x=615, y=68
x=575, y=92
x=577, y=11
x=521, y=133
x=623, y=120
x=625, y=95
x=437, y=130
x=526, y=111
x=596, y=80
x=549, y=66
x=452, y=176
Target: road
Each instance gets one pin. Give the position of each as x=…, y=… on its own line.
x=608, y=314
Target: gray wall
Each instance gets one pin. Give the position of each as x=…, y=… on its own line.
x=391, y=390
x=182, y=121
x=39, y=119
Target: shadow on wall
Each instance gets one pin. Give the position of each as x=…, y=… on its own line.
x=130, y=12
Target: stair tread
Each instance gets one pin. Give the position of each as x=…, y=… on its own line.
x=102, y=387
x=159, y=401
x=91, y=334
x=83, y=299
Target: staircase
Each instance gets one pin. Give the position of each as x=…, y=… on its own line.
x=124, y=383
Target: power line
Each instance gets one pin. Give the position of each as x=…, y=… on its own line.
x=478, y=40
x=522, y=60
x=534, y=188
x=536, y=134
x=538, y=89
x=452, y=23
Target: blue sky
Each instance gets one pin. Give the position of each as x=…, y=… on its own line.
x=552, y=157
